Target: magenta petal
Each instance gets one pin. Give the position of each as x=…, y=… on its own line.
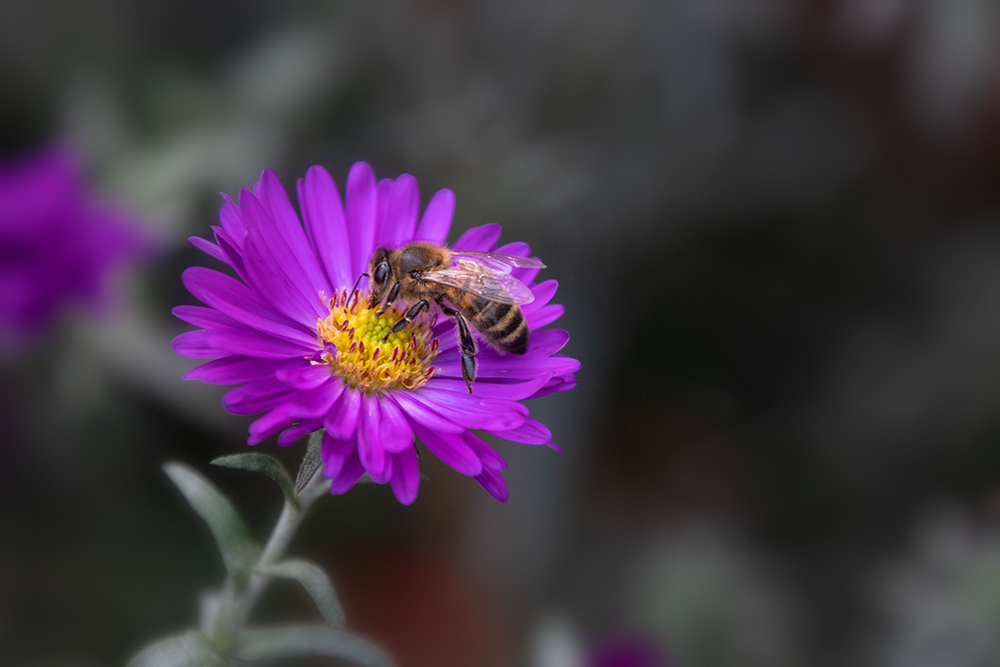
x=265, y=427
x=327, y=225
x=471, y=411
x=232, y=221
x=316, y=403
x=361, y=208
x=550, y=341
x=349, y=475
x=396, y=434
x=451, y=449
x=342, y=422
x=382, y=190
x=479, y=238
x=541, y=344
x=422, y=414
x=401, y=213
x=209, y=248
x=233, y=341
x=305, y=377
x=494, y=484
x=544, y=316
x=275, y=287
x=513, y=391
x=229, y=296
x=335, y=452
x=287, y=230
x=222, y=341
x=233, y=253
x=302, y=405
x=258, y=396
x=512, y=368
x=206, y=318
x=556, y=384
x=485, y=453
x=531, y=432
x=383, y=476
x=292, y=434
x=405, y=476
x=370, y=449
x=297, y=300
x=436, y=222
x=258, y=218
x=195, y=344
x=543, y=292
x=236, y=370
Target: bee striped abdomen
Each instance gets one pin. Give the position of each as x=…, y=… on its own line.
x=502, y=324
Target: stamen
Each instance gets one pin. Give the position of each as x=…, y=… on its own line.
x=360, y=347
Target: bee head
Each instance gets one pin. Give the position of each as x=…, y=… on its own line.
x=380, y=272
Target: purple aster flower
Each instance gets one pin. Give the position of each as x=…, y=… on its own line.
x=55, y=245
x=311, y=356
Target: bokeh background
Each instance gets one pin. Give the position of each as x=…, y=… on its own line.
x=776, y=227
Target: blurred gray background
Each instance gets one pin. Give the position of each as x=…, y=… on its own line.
x=775, y=227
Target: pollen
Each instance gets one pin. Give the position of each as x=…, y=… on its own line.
x=359, y=345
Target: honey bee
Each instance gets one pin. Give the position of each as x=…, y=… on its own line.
x=478, y=285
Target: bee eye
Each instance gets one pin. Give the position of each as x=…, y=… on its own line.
x=381, y=272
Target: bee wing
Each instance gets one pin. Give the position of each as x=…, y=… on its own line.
x=475, y=278
x=496, y=261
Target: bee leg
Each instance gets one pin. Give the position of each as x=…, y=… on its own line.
x=406, y=319
x=356, y=283
x=389, y=300
x=468, y=344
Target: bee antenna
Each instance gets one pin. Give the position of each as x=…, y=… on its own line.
x=355, y=288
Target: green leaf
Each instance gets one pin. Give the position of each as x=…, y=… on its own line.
x=311, y=462
x=310, y=493
x=301, y=640
x=316, y=583
x=263, y=463
x=192, y=649
x=239, y=550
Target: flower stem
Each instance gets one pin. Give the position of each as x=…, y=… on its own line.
x=241, y=604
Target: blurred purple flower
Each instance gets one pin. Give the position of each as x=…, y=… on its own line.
x=310, y=357
x=56, y=247
x=627, y=649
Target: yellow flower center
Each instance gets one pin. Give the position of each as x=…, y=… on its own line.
x=367, y=355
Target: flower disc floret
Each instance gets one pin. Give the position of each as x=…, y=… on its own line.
x=361, y=347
